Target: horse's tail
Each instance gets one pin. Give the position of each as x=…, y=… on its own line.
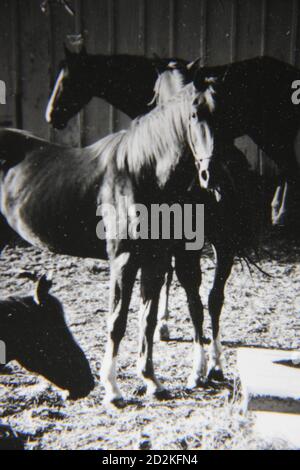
x=240, y=191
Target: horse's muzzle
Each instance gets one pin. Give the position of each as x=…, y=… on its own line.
x=204, y=179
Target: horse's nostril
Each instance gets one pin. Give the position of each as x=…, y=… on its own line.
x=204, y=175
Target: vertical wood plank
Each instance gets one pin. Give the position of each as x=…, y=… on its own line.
x=248, y=44
x=112, y=47
x=7, y=111
x=296, y=20
x=219, y=29
x=96, y=26
x=294, y=32
x=279, y=29
x=128, y=39
x=203, y=33
x=188, y=29
x=34, y=52
x=249, y=30
x=173, y=10
x=158, y=24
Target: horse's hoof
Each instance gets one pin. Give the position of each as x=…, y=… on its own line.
x=199, y=382
x=162, y=394
x=216, y=375
x=115, y=403
x=141, y=391
x=280, y=220
x=162, y=333
x=114, y=399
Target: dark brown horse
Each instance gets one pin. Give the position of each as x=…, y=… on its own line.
x=254, y=97
x=124, y=81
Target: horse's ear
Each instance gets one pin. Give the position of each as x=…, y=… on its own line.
x=203, y=82
x=42, y=290
x=194, y=66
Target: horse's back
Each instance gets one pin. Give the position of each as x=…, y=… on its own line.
x=49, y=193
x=15, y=145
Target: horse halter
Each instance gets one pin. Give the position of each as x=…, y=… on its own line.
x=198, y=160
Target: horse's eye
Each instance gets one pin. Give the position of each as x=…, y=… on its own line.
x=194, y=115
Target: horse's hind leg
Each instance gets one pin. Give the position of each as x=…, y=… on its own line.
x=187, y=265
x=123, y=273
x=6, y=233
x=224, y=263
x=152, y=278
x=163, y=310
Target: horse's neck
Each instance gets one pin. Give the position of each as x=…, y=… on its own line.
x=158, y=141
x=126, y=82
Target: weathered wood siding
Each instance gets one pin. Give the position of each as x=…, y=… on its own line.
x=219, y=31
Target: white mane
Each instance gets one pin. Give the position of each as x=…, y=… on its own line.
x=168, y=84
x=156, y=140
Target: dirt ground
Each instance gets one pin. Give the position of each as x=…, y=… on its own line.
x=259, y=311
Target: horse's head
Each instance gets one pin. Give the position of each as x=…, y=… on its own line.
x=48, y=347
x=172, y=77
x=213, y=122
x=201, y=136
x=70, y=93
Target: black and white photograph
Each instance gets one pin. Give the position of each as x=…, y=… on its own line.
x=149, y=227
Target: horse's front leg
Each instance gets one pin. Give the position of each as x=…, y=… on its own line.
x=123, y=271
x=187, y=265
x=152, y=278
x=224, y=263
x=162, y=330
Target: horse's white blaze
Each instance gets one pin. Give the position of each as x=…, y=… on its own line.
x=202, y=144
x=50, y=106
x=199, y=366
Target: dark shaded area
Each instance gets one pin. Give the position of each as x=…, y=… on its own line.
x=10, y=439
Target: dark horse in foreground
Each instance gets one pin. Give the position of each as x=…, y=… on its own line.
x=50, y=195
x=254, y=98
x=34, y=332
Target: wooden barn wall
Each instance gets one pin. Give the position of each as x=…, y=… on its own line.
x=219, y=31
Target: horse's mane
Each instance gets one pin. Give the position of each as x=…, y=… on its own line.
x=156, y=140
x=168, y=83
